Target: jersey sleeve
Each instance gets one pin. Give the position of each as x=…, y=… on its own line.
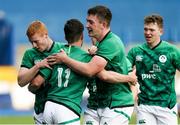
x=27, y=60
x=129, y=65
x=108, y=50
x=176, y=58
x=131, y=57
x=45, y=73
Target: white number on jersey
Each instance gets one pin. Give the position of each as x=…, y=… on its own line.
x=60, y=71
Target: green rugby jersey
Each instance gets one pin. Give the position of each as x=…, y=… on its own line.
x=156, y=71
x=30, y=58
x=67, y=87
x=110, y=95
x=129, y=65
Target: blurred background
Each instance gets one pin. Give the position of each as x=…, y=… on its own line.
x=15, y=16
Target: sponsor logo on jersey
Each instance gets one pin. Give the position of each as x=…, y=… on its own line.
x=148, y=76
x=156, y=68
x=162, y=58
x=151, y=71
x=139, y=58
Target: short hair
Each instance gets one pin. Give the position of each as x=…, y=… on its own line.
x=154, y=18
x=102, y=12
x=73, y=29
x=36, y=27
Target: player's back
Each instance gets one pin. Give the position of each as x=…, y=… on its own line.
x=68, y=86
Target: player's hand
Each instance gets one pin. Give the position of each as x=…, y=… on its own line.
x=92, y=50
x=43, y=63
x=56, y=58
x=133, y=77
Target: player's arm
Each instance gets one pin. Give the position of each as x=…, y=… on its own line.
x=134, y=90
x=89, y=69
x=25, y=75
x=114, y=77
x=36, y=83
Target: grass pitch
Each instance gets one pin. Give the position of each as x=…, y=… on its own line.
x=16, y=120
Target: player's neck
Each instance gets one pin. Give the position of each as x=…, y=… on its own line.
x=104, y=33
x=154, y=44
x=78, y=43
x=50, y=43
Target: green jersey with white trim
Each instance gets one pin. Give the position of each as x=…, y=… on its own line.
x=30, y=58
x=155, y=69
x=67, y=86
x=109, y=95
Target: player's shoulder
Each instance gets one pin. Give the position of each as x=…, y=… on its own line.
x=82, y=55
x=114, y=38
x=31, y=50
x=30, y=53
x=84, y=52
x=59, y=43
x=170, y=46
x=138, y=47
